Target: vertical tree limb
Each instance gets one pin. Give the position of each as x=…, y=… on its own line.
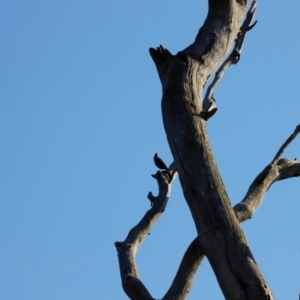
x=220, y=237
x=184, y=75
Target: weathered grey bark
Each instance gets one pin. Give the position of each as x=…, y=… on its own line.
x=183, y=77
x=132, y=286
x=191, y=260
x=278, y=169
x=220, y=237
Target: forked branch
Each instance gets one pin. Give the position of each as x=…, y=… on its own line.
x=209, y=101
x=278, y=169
x=243, y=211
x=183, y=77
x=284, y=169
x=285, y=145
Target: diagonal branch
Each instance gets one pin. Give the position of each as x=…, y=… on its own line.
x=127, y=250
x=284, y=169
x=187, y=270
x=285, y=144
x=182, y=283
x=183, y=77
x=194, y=255
x=279, y=169
x=209, y=101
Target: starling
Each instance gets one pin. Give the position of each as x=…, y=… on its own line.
x=159, y=162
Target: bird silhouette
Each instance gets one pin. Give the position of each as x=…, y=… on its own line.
x=159, y=162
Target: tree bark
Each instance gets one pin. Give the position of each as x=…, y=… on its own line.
x=183, y=77
x=220, y=237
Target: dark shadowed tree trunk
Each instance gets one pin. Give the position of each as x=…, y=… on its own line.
x=185, y=113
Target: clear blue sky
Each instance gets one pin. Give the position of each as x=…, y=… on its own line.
x=80, y=122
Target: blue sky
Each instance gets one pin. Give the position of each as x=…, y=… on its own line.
x=80, y=122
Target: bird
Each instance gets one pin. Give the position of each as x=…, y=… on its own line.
x=159, y=162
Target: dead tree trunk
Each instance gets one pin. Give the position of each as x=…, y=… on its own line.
x=185, y=113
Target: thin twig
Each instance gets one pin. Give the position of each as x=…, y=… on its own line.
x=285, y=144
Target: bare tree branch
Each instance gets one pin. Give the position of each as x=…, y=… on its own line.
x=182, y=283
x=285, y=144
x=278, y=169
x=208, y=48
x=233, y=58
x=184, y=278
x=184, y=75
x=127, y=250
x=285, y=169
x=288, y=169
x=220, y=237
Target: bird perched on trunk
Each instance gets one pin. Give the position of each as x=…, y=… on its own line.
x=159, y=162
